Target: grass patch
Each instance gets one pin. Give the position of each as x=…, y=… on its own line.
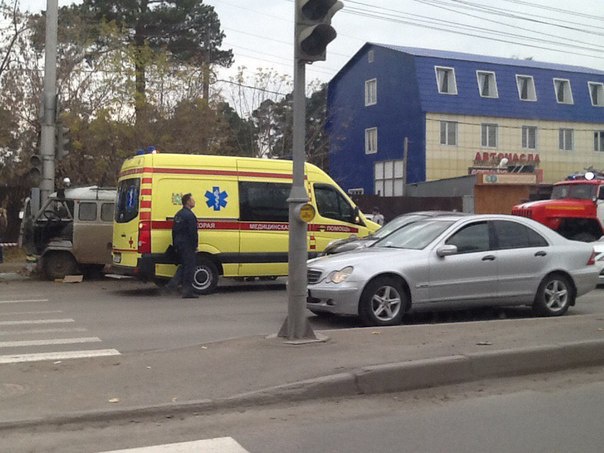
x=14, y=254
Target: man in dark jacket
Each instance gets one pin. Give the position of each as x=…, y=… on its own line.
x=185, y=240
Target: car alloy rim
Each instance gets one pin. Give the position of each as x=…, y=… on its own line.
x=556, y=295
x=386, y=303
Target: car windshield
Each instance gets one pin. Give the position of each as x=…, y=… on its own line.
x=394, y=225
x=574, y=191
x=416, y=235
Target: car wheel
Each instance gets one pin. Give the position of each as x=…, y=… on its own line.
x=59, y=264
x=205, y=278
x=554, y=296
x=382, y=303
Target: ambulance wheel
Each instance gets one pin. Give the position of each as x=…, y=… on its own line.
x=59, y=264
x=205, y=279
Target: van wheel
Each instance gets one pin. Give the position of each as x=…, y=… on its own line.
x=205, y=279
x=58, y=265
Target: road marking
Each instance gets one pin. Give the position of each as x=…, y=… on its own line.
x=17, y=358
x=17, y=313
x=35, y=321
x=21, y=343
x=38, y=331
x=218, y=445
x=22, y=301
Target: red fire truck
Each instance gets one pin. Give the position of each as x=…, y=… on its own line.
x=575, y=209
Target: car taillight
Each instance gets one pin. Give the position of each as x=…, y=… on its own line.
x=592, y=258
x=144, y=237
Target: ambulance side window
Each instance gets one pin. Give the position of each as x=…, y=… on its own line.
x=126, y=208
x=264, y=201
x=332, y=204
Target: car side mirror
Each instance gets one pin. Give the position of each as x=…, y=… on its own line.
x=446, y=250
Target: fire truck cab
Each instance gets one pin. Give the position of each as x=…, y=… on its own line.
x=575, y=209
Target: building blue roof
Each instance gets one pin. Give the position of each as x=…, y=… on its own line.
x=444, y=54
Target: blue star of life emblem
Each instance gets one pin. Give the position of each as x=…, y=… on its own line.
x=216, y=198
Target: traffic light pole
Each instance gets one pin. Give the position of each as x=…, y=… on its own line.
x=49, y=102
x=296, y=326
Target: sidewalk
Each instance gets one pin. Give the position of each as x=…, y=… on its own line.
x=257, y=370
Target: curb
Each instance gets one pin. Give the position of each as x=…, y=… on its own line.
x=393, y=377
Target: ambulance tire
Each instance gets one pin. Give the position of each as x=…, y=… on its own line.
x=205, y=279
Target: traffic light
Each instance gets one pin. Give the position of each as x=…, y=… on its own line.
x=35, y=169
x=313, y=28
x=61, y=141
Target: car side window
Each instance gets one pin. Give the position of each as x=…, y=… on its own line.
x=471, y=238
x=87, y=212
x=513, y=235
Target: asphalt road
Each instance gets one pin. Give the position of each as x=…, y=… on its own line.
x=559, y=412
x=130, y=316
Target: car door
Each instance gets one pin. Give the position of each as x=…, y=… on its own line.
x=470, y=275
x=523, y=256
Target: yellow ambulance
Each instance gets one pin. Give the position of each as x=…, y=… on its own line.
x=241, y=209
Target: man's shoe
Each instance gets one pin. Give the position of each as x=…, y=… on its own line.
x=190, y=296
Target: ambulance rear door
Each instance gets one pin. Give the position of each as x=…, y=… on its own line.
x=126, y=222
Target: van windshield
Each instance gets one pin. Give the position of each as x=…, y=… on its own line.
x=126, y=208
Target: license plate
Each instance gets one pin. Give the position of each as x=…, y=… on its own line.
x=117, y=257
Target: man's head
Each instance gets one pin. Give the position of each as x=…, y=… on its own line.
x=188, y=201
x=376, y=210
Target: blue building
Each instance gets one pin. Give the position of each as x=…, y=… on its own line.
x=399, y=115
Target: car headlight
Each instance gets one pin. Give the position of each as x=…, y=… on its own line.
x=340, y=276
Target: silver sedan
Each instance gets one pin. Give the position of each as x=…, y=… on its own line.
x=452, y=262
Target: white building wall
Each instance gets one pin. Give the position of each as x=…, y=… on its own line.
x=444, y=161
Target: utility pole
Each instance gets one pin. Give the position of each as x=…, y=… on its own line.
x=49, y=102
x=313, y=33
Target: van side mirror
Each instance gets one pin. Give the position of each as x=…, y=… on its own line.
x=446, y=250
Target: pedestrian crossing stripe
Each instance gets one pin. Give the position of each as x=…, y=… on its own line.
x=217, y=445
x=64, y=355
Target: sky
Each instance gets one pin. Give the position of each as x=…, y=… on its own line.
x=261, y=32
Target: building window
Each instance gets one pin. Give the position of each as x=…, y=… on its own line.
x=487, y=84
x=448, y=133
x=389, y=178
x=445, y=80
x=526, y=88
x=529, y=137
x=596, y=91
x=371, y=92
x=599, y=141
x=371, y=56
x=371, y=140
x=489, y=135
x=566, y=139
x=564, y=94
